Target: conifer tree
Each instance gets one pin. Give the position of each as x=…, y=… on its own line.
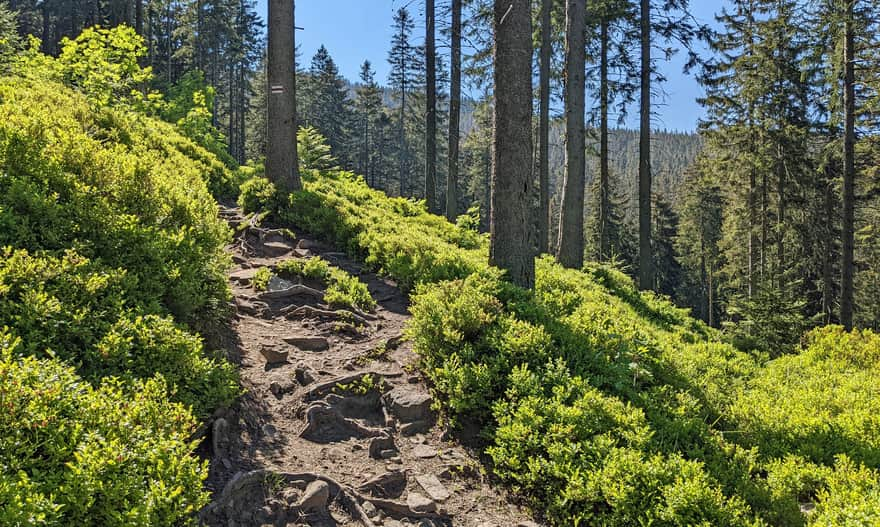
x=403, y=58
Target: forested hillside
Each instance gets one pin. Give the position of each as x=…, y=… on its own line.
x=238, y=289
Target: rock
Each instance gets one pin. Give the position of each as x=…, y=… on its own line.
x=388, y=454
x=307, y=343
x=419, y=503
x=527, y=524
x=306, y=244
x=238, y=259
x=433, y=487
x=243, y=276
x=274, y=249
x=370, y=510
x=254, y=309
x=424, y=451
x=269, y=430
x=315, y=497
x=273, y=354
x=390, y=484
x=279, y=388
x=380, y=445
x=304, y=373
x=220, y=438
x=416, y=427
x=278, y=284
x=408, y=405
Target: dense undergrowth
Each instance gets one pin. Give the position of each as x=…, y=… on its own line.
x=607, y=406
x=111, y=260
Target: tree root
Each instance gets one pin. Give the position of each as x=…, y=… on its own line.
x=294, y=290
x=324, y=314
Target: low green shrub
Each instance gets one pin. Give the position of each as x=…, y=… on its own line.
x=76, y=455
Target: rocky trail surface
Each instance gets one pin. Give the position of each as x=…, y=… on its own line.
x=336, y=426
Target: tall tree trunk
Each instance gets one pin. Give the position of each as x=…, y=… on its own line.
x=604, y=172
x=827, y=301
x=544, y=127
x=646, y=275
x=403, y=151
x=780, y=219
x=849, y=170
x=431, y=109
x=510, y=220
x=139, y=17
x=570, y=251
x=752, y=212
x=454, y=114
x=281, y=161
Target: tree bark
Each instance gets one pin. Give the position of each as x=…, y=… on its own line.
x=827, y=301
x=646, y=275
x=139, y=17
x=431, y=109
x=454, y=114
x=510, y=219
x=604, y=172
x=570, y=251
x=544, y=128
x=281, y=160
x=849, y=170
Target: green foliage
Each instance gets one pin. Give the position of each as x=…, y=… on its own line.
x=76, y=455
x=103, y=63
x=313, y=150
x=852, y=497
x=342, y=289
x=109, y=244
x=261, y=278
x=257, y=194
x=819, y=403
x=120, y=188
x=10, y=43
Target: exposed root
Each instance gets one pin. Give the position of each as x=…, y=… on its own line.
x=348, y=497
x=324, y=314
x=294, y=290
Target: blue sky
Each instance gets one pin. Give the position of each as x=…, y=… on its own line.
x=355, y=30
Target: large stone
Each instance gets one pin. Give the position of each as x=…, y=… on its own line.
x=424, y=451
x=275, y=249
x=243, y=276
x=307, y=343
x=433, y=487
x=388, y=485
x=315, y=497
x=379, y=445
x=408, y=405
x=273, y=354
x=420, y=503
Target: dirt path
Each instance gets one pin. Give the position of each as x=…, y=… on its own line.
x=335, y=427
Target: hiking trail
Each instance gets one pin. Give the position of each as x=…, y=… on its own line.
x=335, y=427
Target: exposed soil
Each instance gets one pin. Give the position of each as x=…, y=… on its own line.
x=335, y=427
